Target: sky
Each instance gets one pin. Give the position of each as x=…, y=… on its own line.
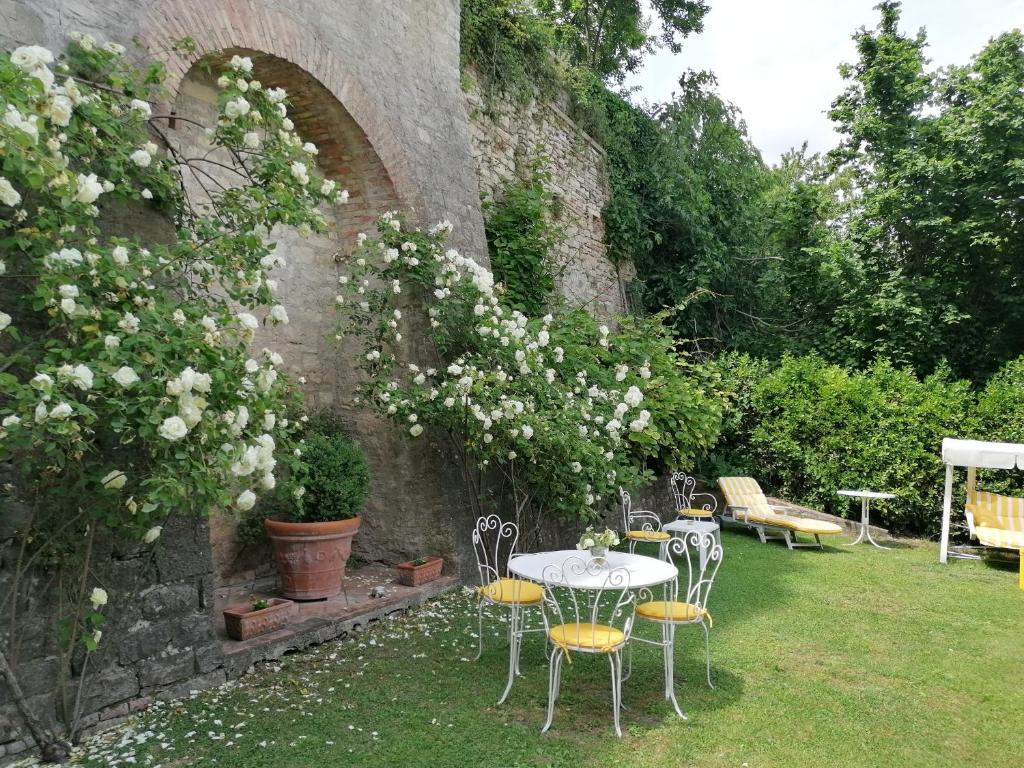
x=776, y=59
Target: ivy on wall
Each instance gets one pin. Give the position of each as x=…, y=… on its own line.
x=521, y=226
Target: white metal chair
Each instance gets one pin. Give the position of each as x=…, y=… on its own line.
x=494, y=543
x=642, y=525
x=683, y=604
x=702, y=506
x=601, y=623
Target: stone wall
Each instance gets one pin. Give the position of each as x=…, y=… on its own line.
x=505, y=137
x=376, y=85
x=158, y=641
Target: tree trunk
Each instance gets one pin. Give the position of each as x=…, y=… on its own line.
x=53, y=749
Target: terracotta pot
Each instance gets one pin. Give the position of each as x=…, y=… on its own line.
x=241, y=622
x=311, y=557
x=413, y=575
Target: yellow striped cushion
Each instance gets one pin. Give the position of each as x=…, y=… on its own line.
x=512, y=591
x=994, y=510
x=745, y=493
x=687, y=512
x=808, y=525
x=999, y=537
x=599, y=637
x=648, y=536
x=669, y=610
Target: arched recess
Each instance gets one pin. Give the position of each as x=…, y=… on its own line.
x=223, y=25
x=308, y=280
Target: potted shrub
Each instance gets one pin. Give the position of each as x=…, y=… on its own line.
x=257, y=617
x=313, y=545
x=419, y=571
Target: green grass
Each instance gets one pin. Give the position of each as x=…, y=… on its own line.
x=847, y=657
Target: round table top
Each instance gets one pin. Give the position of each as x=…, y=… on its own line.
x=867, y=494
x=643, y=571
x=704, y=526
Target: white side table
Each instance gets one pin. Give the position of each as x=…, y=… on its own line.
x=865, y=513
x=686, y=525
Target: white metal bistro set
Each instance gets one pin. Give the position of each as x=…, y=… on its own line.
x=589, y=605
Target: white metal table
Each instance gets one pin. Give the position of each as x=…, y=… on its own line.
x=643, y=571
x=685, y=525
x=865, y=513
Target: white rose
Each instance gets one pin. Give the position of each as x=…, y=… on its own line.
x=30, y=57
x=114, y=480
x=5, y=320
x=236, y=108
x=141, y=158
x=61, y=108
x=119, y=255
x=251, y=140
x=61, y=411
x=152, y=534
x=89, y=188
x=327, y=187
x=279, y=314
x=416, y=430
x=8, y=194
x=527, y=431
x=125, y=376
x=98, y=598
x=246, y=500
x=82, y=377
x=10, y=421
x=42, y=381
x=248, y=321
x=111, y=342
x=173, y=428
x=300, y=172
x=137, y=105
x=241, y=63
x=633, y=397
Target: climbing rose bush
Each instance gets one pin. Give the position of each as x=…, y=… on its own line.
x=560, y=407
x=129, y=386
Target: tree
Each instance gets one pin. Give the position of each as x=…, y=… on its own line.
x=611, y=37
x=936, y=224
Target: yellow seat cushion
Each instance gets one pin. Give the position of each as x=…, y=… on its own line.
x=512, y=591
x=808, y=525
x=598, y=637
x=670, y=610
x=999, y=537
x=686, y=512
x=648, y=535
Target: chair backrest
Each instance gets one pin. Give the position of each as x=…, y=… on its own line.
x=683, y=487
x=994, y=510
x=583, y=590
x=637, y=520
x=744, y=492
x=494, y=542
x=697, y=556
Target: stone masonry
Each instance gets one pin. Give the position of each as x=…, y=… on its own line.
x=377, y=86
x=505, y=137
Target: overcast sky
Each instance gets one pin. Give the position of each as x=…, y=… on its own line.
x=776, y=59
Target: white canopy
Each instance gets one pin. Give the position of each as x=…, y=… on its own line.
x=972, y=454
x=978, y=453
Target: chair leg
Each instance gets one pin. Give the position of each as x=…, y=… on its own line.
x=553, y=682
x=629, y=662
x=707, y=652
x=760, y=534
x=513, y=654
x=788, y=538
x=479, y=629
x=615, y=661
x=670, y=669
x=817, y=538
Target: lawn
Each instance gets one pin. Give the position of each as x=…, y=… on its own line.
x=847, y=657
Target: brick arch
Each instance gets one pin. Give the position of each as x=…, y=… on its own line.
x=225, y=25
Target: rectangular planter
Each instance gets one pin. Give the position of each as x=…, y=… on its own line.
x=413, y=575
x=241, y=624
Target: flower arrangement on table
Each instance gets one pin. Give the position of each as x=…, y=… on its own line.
x=598, y=542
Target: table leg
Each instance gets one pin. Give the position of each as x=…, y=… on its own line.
x=863, y=523
x=867, y=524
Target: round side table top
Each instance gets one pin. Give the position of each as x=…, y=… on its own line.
x=643, y=571
x=867, y=494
